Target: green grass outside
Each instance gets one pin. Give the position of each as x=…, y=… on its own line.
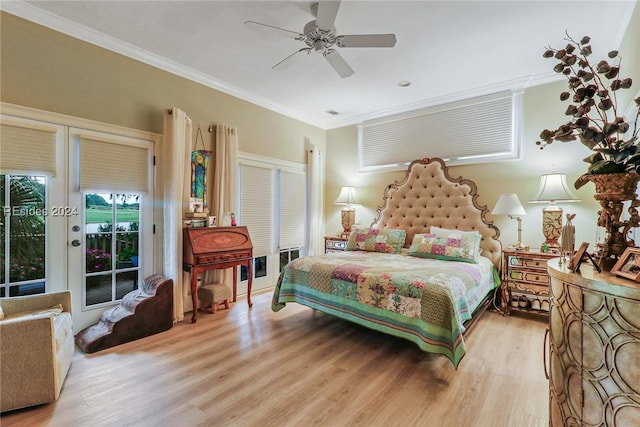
x=102, y=216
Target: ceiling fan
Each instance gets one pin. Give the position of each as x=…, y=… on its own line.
x=321, y=36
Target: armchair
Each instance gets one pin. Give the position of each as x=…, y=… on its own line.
x=36, y=348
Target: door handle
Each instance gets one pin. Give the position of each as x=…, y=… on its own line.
x=75, y=243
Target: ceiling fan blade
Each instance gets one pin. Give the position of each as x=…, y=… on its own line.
x=367, y=40
x=259, y=25
x=338, y=63
x=326, y=14
x=285, y=63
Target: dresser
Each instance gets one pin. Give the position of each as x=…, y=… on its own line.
x=594, y=348
x=525, y=281
x=216, y=248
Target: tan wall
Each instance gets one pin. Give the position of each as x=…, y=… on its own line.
x=43, y=69
x=541, y=110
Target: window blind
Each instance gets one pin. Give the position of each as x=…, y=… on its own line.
x=113, y=166
x=292, y=209
x=479, y=129
x=28, y=148
x=256, y=195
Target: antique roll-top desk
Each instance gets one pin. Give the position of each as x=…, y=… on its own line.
x=216, y=248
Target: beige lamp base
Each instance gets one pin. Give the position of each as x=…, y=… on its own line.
x=551, y=228
x=348, y=217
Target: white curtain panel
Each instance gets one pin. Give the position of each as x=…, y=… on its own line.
x=225, y=183
x=175, y=180
x=315, y=201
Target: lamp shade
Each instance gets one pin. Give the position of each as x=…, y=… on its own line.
x=347, y=196
x=554, y=188
x=508, y=204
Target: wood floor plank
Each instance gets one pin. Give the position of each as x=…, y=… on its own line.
x=253, y=367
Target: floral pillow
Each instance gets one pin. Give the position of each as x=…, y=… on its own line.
x=376, y=240
x=453, y=245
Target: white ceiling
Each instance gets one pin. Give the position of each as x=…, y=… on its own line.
x=448, y=50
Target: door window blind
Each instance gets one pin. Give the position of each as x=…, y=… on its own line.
x=256, y=196
x=292, y=209
x=109, y=165
x=28, y=147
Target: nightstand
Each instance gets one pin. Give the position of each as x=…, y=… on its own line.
x=335, y=244
x=525, y=281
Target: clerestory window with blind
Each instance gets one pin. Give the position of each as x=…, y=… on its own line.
x=478, y=130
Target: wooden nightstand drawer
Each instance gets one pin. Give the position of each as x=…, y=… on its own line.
x=518, y=261
x=529, y=276
x=334, y=244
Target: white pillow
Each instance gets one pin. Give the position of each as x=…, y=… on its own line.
x=444, y=232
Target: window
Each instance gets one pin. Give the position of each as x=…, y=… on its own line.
x=273, y=207
x=288, y=255
x=483, y=129
x=112, y=223
x=23, y=235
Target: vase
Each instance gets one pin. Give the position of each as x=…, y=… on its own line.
x=612, y=191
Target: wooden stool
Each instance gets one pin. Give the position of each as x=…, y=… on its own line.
x=213, y=295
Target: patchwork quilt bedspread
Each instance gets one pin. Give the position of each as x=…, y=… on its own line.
x=423, y=300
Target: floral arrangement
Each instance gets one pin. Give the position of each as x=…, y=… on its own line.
x=595, y=117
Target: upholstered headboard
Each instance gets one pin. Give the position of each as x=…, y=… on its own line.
x=429, y=196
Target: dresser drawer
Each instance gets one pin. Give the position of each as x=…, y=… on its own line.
x=539, y=264
x=333, y=244
x=529, y=276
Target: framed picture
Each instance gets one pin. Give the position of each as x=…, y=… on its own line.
x=628, y=264
x=212, y=221
x=576, y=260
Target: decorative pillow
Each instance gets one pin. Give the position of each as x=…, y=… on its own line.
x=452, y=246
x=443, y=232
x=376, y=240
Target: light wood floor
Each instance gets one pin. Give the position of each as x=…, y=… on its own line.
x=300, y=367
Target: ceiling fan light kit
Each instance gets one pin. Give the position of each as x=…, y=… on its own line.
x=321, y=36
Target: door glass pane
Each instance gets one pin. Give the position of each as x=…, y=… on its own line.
x=23, y=235
x=114, y=252
x=126, y=282
x=128, y=220
x=98, y=289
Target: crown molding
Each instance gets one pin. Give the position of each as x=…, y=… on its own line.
x=86, y=34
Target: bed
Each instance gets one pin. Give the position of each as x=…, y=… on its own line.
x=425, y=269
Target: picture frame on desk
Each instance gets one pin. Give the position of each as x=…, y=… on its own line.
x=628, y=265
x=576, y=260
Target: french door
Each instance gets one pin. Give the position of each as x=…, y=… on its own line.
x=77, y=209
x=110, y=248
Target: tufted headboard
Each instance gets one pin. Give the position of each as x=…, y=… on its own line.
x=429, y=196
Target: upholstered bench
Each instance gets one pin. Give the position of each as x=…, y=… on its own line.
x=142, y=312
x=214, y=295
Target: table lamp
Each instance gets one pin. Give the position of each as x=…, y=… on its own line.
x=553, y=188
x=347, y=197
x=509, y=204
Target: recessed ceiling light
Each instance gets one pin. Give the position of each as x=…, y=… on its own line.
x=404, y=83
x=332, y=112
